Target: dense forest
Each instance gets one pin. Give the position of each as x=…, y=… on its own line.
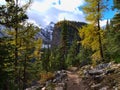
x=23, y=60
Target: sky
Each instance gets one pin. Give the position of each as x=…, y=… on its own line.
x=42, y=12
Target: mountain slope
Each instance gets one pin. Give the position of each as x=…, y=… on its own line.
x=72, y=27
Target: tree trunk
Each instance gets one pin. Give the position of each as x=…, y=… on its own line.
x=99, y=35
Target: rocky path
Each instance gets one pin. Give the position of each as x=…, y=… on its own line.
x=74, y=81
x=99, y=78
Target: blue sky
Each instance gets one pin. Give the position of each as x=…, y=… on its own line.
x=109, y=13
x=42, y=12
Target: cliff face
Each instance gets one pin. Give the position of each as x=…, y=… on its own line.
x=72, y=28
x=56, y=36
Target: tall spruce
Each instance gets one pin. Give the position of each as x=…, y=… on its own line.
x=64, y=44
x=6, y=64
x=64, y=38
x=116, y=18
x=73, y=52
x=114, y=34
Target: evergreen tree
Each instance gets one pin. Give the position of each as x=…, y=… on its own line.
x=29, y=52
x=113, y=35
x=55, y=63
x=72, y=53
x=46, y=59
x=6, y=64
x=64, y=44
x=27, y=47
x=84, y=56
x=116, y=4
x=64, y=39
x=116, y=28
x=11, y=16
x=116, y=18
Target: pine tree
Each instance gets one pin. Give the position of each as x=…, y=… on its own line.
x=64, y=38
x=116, y=4
x=6, y=64
x=73, y=52
x=84, y=56
x=27, y=47
x=116, y=19
x=114, y=34
x=46, y=59
x=29, y=51
x=11, y=16
x=63, y=49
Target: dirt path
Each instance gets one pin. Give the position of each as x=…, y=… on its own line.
x=74, y=82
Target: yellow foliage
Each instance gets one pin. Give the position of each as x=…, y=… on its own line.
x=46, y=76
x=38, y=46
x=91, y=35
x=91, y=10
x=90, y=39
x=96, y=56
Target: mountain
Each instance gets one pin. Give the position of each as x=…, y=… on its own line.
x=46, y=33
x=72, y=27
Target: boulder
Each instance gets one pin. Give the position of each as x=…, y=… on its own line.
x=95, y=72
x=103, y=76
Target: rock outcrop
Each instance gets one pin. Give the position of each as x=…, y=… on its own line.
x=58, y=82
x=72, y=26
x=102, y=77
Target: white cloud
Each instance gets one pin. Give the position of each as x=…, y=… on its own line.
x=69, y=5
x=103, y=23
x=64, y=5
x=42, y=12
x=40, y=6
x=70, y=16
x=22, y=2
x=45, y=11
x=2, y=2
